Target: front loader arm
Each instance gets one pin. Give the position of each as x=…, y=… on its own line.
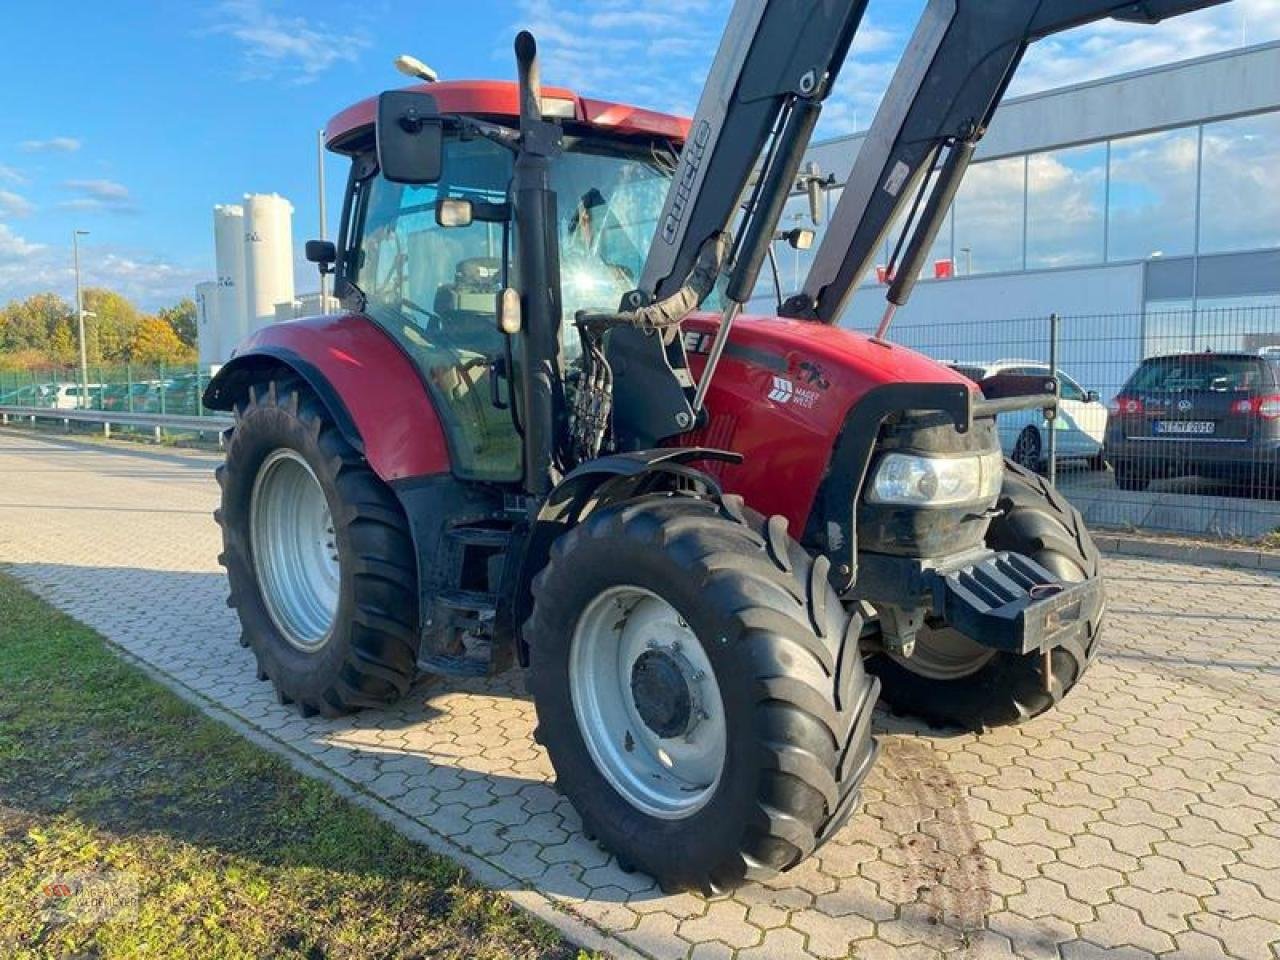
x=775, y=65
x=948, y=84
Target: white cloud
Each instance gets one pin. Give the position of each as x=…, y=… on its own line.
x=100, y=189
x=98, y=195
x=300, y=48
x=14, y=247
x=1109, y=47
x=151, y=281
x=52, y=145
x=10, y=175
x=654, y=56
x=13, y=205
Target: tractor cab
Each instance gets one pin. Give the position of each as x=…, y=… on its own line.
x=428, y=262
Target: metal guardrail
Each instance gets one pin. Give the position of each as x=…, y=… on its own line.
x=212, y=423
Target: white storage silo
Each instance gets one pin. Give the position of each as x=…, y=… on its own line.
x=268, y=256
x=228, y=239
x=207, y=327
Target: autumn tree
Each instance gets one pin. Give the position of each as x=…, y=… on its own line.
x=182, y=317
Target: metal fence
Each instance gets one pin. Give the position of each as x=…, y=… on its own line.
x=159, y=389
x=1169, y=420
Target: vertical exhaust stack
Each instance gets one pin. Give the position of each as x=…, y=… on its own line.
x=545, y=420
x=232, y=307
x=268, y=256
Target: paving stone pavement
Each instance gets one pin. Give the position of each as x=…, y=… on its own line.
x=1140, y=819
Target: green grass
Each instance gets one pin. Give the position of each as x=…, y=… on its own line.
x=214, y=847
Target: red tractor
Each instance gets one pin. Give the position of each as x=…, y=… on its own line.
x=542, y=431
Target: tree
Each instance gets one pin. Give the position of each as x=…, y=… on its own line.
x=31, y=323
x=182, y=317
x=111, y=332
x=157, y=342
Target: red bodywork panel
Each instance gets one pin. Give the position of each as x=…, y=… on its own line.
x=780, y=397
x=496, y=98
x=377, y=383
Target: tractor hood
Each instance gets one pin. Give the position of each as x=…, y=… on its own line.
x=782, y=395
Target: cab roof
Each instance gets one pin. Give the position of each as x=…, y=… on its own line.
x=499, y=99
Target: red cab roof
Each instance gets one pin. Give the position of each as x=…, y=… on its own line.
x=498, y=98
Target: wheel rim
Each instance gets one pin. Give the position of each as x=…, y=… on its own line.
x=295, y=554
x=1027, y=451
x=945, y=654
x=647, y=703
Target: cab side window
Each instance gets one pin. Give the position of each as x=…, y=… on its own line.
x=434, y=290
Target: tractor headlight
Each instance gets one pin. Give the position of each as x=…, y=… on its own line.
x=913, y=480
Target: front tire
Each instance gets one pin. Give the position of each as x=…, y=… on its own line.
x=318, y=556
x=707, y=623
x=951, y=680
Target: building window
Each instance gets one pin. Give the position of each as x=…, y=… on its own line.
x=1152, y=194
x=1239, y=202
x=1066, y=205
x=989, y=217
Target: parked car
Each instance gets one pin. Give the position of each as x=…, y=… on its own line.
x=68, y=396
x=1080, y=426
x=130, y=397
x=1213, y=415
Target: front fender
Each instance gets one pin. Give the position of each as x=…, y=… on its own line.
x=371, y=388
x=599, y=483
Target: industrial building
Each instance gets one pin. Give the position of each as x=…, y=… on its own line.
x=253, y=252
x=1141, y=208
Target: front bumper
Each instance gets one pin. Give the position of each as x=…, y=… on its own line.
x=1005, y=601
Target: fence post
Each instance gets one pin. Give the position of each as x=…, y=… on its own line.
x=1053, y=423
x=106, y=429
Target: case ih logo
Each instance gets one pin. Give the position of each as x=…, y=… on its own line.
x=784, y=391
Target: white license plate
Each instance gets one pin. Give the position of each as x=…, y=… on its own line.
x=1186, y=427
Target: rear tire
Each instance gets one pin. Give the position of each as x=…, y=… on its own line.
x=785, y=673
x=359, y=650
x=998, y=689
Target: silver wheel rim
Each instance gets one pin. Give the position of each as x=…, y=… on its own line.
x=627, y=629
x=295, y=554
x=945, y=654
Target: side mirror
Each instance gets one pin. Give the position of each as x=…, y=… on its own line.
x=410, y=137
x=462, y=212
x=799, y=239
x=323, y=253
x=1091, y=396
x=454, y=212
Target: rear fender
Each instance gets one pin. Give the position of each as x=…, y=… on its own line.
x=371, y=389
x=600, y=483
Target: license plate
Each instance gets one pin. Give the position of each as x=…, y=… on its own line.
x=1185, y=427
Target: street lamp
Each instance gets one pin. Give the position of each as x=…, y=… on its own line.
x=84, y=358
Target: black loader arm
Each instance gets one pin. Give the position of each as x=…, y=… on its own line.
x=956, y=68
x=775, y=65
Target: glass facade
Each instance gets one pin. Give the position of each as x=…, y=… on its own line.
x=1131, y=198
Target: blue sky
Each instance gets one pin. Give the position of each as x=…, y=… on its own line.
x=132, y=124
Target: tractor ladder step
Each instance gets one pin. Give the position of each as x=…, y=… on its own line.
x=484, y=605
